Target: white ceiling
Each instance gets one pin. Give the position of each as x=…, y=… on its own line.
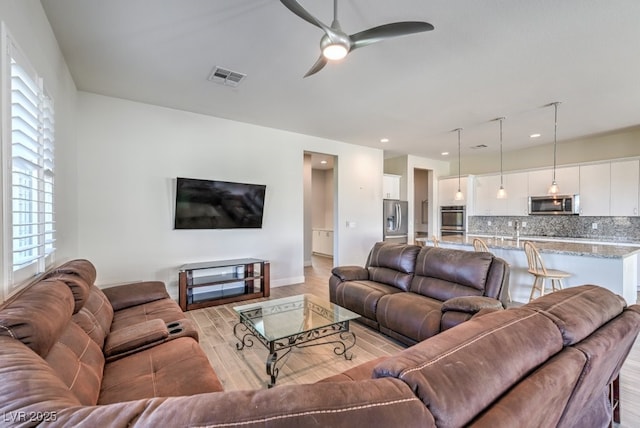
x=484, y=59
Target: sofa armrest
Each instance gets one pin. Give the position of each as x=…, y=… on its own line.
x=136, y=293
x=137, y=336
x=350, y=273
x=471, y=304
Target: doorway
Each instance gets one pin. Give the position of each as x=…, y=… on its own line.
x=422, y=198
x=320, y=208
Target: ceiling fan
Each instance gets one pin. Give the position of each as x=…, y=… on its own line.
x=336, y=44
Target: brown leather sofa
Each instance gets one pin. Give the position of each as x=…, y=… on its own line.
x=412, y=293
x=548, y=363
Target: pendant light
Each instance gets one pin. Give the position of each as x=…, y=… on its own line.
x=459, y=195
x=553, y=189
x=501, y=192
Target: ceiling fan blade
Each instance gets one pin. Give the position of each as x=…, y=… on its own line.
x=387, y=31
x=319, y=65
x=295, y=7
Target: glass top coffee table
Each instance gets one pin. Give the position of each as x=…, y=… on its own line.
x=294, y=322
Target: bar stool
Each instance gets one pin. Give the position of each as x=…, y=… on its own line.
x=479, y=246
x=541, y=274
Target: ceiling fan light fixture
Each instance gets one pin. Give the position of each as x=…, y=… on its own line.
x=335, y=51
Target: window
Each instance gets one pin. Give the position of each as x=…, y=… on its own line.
x=28, y=146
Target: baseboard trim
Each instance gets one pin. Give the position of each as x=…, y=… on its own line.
x=287, y=281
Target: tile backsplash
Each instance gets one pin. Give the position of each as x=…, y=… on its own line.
x=620, y=229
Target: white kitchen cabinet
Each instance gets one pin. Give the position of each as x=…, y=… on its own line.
x=568, y=179
x=391, y=186
x=595, y=188
x=322, y=242
x=447, y=189
x=625, y=188
x=485, y=194
x=517, y=187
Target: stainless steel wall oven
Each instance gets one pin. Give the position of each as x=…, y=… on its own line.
x=452, y=220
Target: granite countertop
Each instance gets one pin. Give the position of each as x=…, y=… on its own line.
x=549, y=245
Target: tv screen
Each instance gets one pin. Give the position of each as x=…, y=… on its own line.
x=208, y=204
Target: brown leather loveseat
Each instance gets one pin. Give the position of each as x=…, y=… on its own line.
x=412, y=293
x=548, y=363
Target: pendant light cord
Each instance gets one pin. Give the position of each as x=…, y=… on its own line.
x=459, y=129
x=555, y=138
x=501, y=174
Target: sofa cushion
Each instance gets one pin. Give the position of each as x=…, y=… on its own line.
x=135, y=337
x=412, y=315
x=361, y=372
x=547, y=389
x=78, y=361
x=578, y=311
x=177, y=367
x=368, y=403
x=605, y=351
x=166, y=309
x=29, y=385
x=96, y=316
x=78, y=286
x=362, y=296
x=38, y=315
x=392, y=264
x=445, y=273
x=135, y=293
x=461, y=371
x=79, y=267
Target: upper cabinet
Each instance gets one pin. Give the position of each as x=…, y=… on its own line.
x=625, y=188
x=485, y=193
x=486, y=199
x=517, y=187
x=447, y=189
x=595, y=189
x=605, y=189
x=391, y=186
x=568, y=179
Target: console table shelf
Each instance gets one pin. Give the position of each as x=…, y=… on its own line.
x=222, y=281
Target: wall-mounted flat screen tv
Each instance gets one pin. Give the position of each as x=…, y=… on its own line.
x=209, y=204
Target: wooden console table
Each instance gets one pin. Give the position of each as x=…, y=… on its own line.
x=223, y=281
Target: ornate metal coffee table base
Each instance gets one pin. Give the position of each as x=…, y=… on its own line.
x=344, y=341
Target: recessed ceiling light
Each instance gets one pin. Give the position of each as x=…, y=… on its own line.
x=445, y=153
x=534, y=136
x=323, y=162
x=384, y=140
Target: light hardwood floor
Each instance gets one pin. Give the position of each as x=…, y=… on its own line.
x=241, y=370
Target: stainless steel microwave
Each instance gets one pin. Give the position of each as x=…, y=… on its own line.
x=554, y=204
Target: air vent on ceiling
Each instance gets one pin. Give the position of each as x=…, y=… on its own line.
x=226, y=77
x=480, y=146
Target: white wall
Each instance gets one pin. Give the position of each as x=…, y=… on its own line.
x=28, y=25
x=130, y=153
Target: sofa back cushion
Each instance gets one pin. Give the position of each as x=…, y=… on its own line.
x=29, y=386
x=79, y=267
x=461, y=371
x=443, y=273
x=38, y=315
x=579, y=311
x=96, y=316
x=392, y=264
x=79, y=363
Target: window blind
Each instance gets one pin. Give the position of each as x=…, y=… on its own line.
x=32, y=171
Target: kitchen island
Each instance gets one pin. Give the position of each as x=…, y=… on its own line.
x=609, y=265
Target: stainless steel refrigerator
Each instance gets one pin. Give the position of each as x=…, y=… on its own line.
x=395, y=221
